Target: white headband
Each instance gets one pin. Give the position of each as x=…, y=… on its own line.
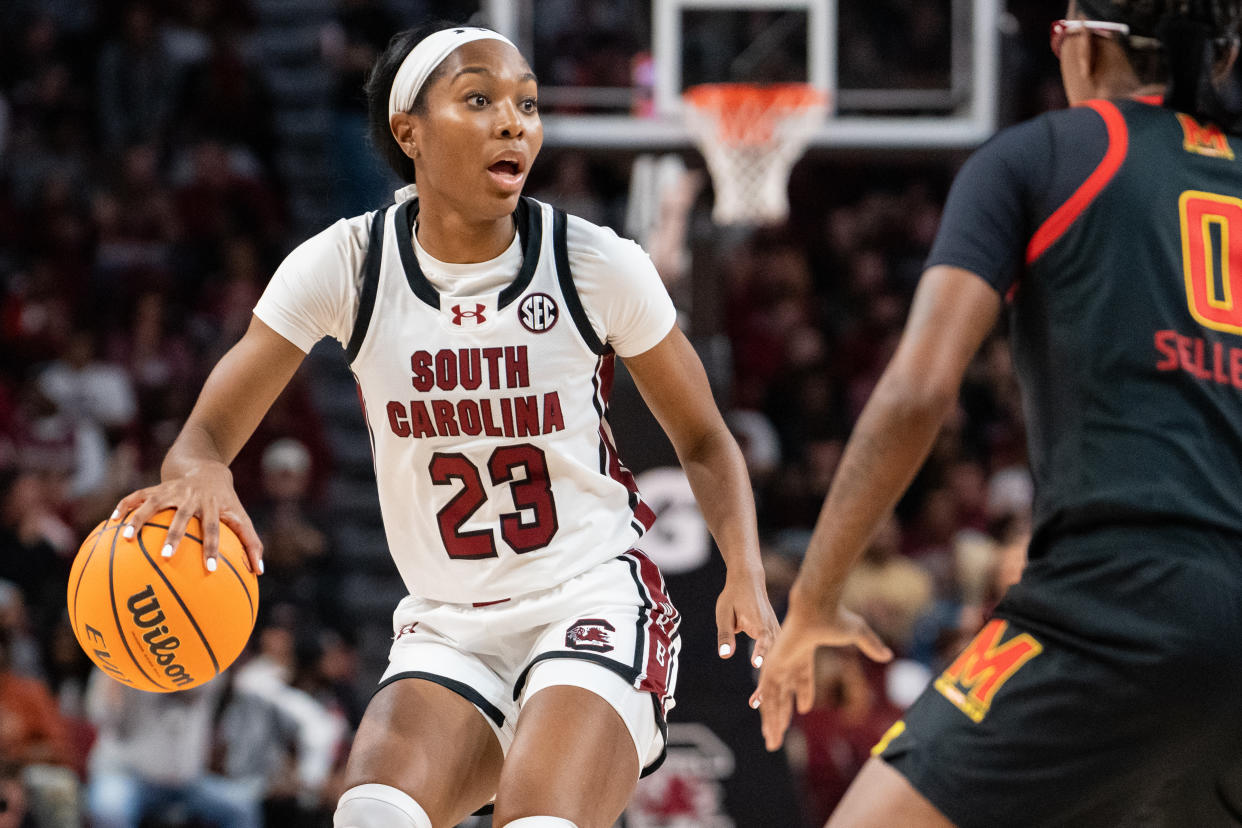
x=425, y=57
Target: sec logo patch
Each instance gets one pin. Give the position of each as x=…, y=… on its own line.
x=538, y=312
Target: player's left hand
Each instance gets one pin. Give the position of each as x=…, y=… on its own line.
x=743, y=607
x=788, y=675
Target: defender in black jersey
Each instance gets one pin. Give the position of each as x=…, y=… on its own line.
x=1107, y=688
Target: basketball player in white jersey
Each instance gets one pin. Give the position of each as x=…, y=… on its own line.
x=536, y=654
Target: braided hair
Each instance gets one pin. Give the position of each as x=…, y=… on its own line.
x=1189, y=44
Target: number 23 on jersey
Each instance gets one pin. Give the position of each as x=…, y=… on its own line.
x=524, y=468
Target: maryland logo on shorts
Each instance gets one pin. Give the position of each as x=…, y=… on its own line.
x=982, y=669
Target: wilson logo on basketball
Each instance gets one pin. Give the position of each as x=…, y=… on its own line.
x=146, y=612
x=475, y=316
x=538, y=312
x=593, y=634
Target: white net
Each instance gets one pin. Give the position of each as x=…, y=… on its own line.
x=751, y=135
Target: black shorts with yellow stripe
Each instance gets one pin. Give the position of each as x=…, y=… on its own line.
x=1106, y=691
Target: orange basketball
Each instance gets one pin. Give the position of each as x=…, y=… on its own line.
x=161, y=624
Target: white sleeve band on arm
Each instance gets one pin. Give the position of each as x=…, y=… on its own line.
x=540, y=822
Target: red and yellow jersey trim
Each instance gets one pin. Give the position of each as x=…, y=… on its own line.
x=1060, y=221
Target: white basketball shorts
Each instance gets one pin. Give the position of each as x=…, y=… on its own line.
x=611, y=630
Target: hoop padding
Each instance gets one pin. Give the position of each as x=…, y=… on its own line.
x=751, y=135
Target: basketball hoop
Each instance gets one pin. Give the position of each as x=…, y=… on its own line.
x=751, y=135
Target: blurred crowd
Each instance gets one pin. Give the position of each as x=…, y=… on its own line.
x=141, y=213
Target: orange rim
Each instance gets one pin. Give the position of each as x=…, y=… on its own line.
x=747, y=113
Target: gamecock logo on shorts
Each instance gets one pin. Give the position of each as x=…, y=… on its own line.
x=538, y=312
x=594, y=634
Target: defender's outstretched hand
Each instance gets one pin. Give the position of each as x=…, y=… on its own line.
x=788, y=672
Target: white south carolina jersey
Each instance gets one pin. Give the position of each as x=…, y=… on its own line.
x=496, y=467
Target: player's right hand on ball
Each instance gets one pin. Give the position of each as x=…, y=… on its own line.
x=788, y=672
x=207, y=493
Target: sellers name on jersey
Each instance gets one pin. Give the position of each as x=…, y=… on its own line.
x=474, y=369
x=1207, y=361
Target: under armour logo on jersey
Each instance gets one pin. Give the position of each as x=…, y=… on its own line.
x=475, y=316
x=538, y=312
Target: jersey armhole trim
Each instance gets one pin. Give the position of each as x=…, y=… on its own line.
x=529, y=220
x=560, y=248
x=370, y=286
x=1060, y=221
x=403, y=220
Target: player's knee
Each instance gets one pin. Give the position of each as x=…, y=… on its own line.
x=540, y=822
x=378, y=806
